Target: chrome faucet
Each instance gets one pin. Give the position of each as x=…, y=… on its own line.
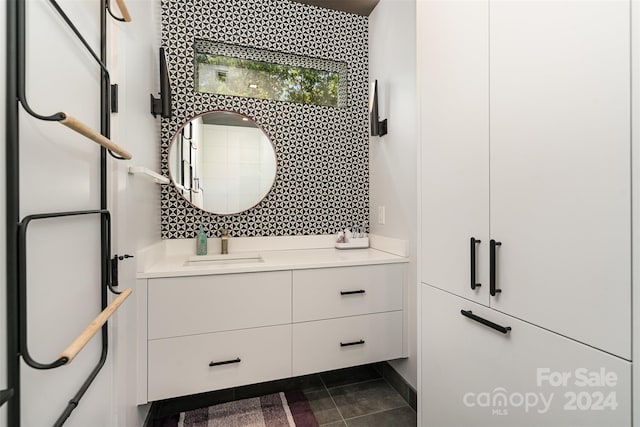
x=224, y=241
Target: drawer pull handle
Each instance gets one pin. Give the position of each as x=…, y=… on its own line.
x=359, y=291
x=499, y=328
x=225, y=362
x=347, y=344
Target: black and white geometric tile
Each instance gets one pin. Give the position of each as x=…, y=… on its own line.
x=322, y=181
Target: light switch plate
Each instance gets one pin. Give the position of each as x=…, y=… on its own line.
x=381, y=215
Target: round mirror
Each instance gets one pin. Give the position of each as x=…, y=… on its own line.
x=222, y=162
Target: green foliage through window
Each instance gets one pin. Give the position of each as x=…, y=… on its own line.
x=225, y=75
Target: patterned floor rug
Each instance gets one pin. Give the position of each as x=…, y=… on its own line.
x=285, y=409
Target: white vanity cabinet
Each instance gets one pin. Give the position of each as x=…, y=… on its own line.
x=215, y=331
x=347, y=316
x=201, y=304
x=197, y=363
x=526, y=199
x=339, y=292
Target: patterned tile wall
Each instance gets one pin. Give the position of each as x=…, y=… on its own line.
x=322, y=183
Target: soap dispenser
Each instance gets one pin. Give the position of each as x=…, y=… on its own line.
x=224, y=241
x=201, y=241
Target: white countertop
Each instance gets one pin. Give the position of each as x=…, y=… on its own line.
x=170, y=264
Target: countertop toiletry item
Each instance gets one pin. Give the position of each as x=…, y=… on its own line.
x=356, y=239
x=201, y=241
x=224, y=241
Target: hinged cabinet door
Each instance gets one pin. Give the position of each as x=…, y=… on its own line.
x=476, y=376
x=560, y=167
x=453, y=68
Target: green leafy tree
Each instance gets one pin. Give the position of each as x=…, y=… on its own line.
x=257, y=79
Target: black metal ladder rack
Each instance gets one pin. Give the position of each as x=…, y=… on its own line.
x=17, y=228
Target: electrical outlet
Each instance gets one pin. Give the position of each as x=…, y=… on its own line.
x=381, y=215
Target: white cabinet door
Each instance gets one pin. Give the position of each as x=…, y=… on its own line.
x=348, y=341
x=454, y=90
x=560, y=166
x=202, y=304
x=325, y=293
x=476, y=376
x=200, y=363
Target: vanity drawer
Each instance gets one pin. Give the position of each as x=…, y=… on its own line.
x=337, y=343
x=202, y=304
x=337, y=292
x=180, y=366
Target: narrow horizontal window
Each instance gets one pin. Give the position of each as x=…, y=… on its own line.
x=237, y=72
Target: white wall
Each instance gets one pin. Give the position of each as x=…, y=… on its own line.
x=635, y=207
x=136, y=199
x=392, y=158
x=59, y=172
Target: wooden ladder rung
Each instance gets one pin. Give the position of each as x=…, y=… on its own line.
x=78, y=344
x=124, y=10
x=87, y=131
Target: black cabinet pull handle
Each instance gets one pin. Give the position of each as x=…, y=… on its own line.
x=347, y=344
x=492, y=268
x=359, y=291
x=225, y=362
x=474, y=285
x=499, y=328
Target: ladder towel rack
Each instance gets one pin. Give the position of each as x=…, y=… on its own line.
x=16, y=253
x=23, y=228
x=75, y=124
x=78, y=344
x=61, y=117
x=5, y=395
x=124, y=10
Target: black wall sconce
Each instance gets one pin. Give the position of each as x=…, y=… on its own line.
x=162, y=105
x=378, y=127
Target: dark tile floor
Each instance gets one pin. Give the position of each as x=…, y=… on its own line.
x=351, y=397
x=358, y=397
